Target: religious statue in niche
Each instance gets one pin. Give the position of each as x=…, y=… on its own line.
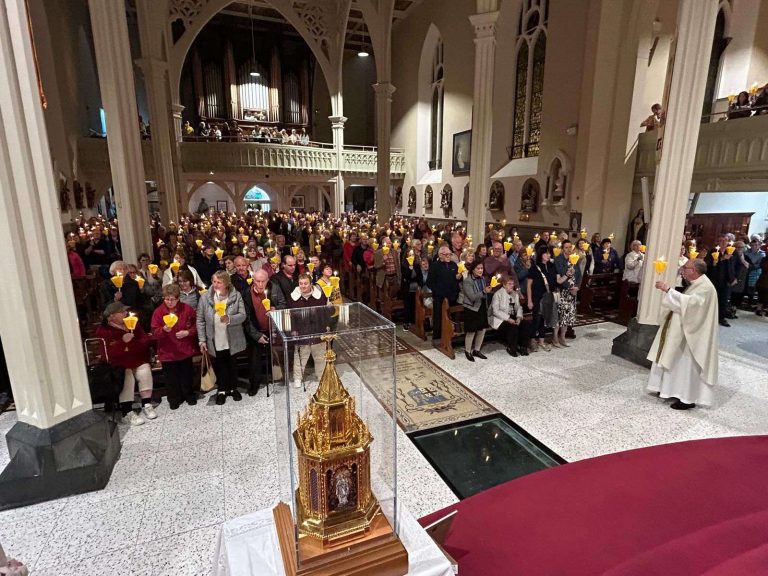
x=399, y=197
x=529, y=201
x=446, y=199
x=412, y=200
x=496, y=198
x=77, y=191
x=637, y=229
x=64, y=200
x=428, y=198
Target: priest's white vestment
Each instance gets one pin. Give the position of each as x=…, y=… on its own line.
x=685, y=351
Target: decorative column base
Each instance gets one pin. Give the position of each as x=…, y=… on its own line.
x=635, y=343
x=70, y=458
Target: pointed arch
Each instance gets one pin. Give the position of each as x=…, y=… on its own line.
x=429, y=146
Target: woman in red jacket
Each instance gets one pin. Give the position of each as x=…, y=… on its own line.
x=176, y=345
x=129, y=350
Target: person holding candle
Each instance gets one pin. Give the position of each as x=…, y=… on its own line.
x=386, y=262
x=496, y=263
x=684, y=354
x=606, y=260
x=307, y=296
x=206, y=263
x=257, y=304
x=174, y=328
x=522, y=267
x=721, y=272
x=326, y=281
x=180, y=263
x=474, y=291
x=542, y=282
x=241, y=276
x=120, y=287
x=506, y=316
x=633, y=263
x=754, y=257
x=76, y=265
x=129, y=350
x=220, y=315
x=284, y=282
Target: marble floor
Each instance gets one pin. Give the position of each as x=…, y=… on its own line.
x=185, y=473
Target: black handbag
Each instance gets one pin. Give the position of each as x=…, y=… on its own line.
x=104, y=380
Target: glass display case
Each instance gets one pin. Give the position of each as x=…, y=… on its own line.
x=333, y=368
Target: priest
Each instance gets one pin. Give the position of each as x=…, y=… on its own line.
x=685, y=351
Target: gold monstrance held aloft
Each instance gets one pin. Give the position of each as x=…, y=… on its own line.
x=334, y=499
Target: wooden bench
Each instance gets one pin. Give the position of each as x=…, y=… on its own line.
x=452, y=324
x=628, y=301
x=599, y=291
x=421, y=314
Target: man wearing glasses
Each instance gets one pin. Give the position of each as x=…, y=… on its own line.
x=684, y=354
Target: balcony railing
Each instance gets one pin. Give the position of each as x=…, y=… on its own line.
x=731, y=156
x=233, y=157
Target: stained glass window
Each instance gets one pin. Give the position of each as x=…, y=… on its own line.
x=529, y=79
x=436, y=113
x=518, y=136
x=537, y=95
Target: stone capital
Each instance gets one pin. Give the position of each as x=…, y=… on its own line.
x=484, y=24
x=177, y=109
x=337, y=122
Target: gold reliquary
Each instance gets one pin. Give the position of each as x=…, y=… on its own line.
x=334, y=500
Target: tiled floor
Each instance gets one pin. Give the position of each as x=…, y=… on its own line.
x=183, y=474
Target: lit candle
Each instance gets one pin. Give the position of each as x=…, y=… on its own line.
x=730, y=249
x=327, y=290
x=335, y=279
x=556, y=251
x=410, y=260
x=295, y=249
x=462, y=268
x=716, y=255
x=495, y=280
x=140, y=281
x=643, y=248
x=199, y=243
x=170, y=320
x=130, y=321
x=660, y=265
x=117, y=280
x=573, y=259
x=220, y=308
x=507, y=245
x=219, y=253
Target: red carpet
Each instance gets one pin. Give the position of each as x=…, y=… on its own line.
x=682, y=509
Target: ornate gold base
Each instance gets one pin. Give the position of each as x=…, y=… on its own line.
x=337, y=528
x=378, y=553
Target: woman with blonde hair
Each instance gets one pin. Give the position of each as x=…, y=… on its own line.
x=220, y=317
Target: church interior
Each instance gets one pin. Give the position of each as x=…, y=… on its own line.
x=383, y=287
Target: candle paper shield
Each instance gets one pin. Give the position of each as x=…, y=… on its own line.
x=170, y=320
x=130, y=321
x=220, y=307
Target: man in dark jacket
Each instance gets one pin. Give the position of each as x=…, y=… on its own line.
x=285, y=281
x=206, y=264
x=443, y=279
x=257, y=331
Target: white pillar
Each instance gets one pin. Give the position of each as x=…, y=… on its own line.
x=482, y=121
x=155, y=67
x=384, y=91
x=695, y=30
x=38, y=321
x=118, y=95
x=337, y=125
x=177, y=109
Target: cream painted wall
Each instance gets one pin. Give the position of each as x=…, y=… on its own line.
x=407, y=42
x=562, y=100
x=735, y=71
x=758, y=65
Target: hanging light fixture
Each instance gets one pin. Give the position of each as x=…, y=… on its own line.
x=254, y=72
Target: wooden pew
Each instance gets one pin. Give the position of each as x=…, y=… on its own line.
x=628, y=301
x=371, y=291
x=422, y=313
x=452, y=325
x=388, y=304
x=599, y=291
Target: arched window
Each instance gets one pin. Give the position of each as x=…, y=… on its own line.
x=436, y=112
x=529, y=79
x=256, y=199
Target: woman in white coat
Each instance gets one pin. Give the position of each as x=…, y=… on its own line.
x=506, y=316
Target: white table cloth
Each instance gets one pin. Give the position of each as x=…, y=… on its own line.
x=248, y=546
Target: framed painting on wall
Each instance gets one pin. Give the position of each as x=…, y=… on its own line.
x=297, y=202
x=462, y=148
x=222, y=206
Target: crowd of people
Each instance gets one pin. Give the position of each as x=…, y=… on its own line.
x=231, y=132
x=211, y=279
x=748, y=103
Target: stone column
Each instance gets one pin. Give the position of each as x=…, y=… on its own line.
x=384, y=91
x=695, y=30
x=118, y=95
x=178, y=123
x=337, y=125
x=155, y=70
x=163, y=138
x=60, y=446
x=482, y=121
